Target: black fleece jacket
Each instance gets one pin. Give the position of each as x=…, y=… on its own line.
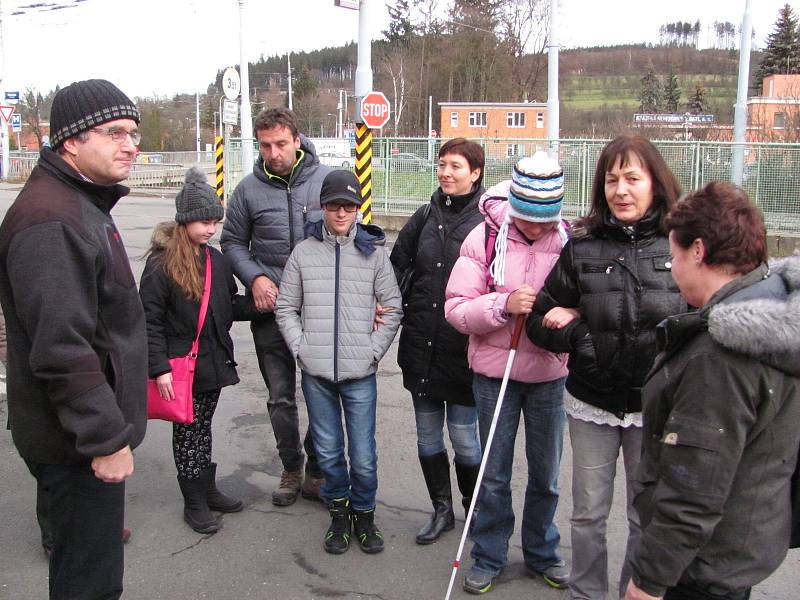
x=77, y=346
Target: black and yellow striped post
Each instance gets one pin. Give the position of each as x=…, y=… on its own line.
x=364, y=169
x=219, y=156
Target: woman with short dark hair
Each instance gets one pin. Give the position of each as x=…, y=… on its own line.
x=601, y=303
x=432, y=354
x=721, y=408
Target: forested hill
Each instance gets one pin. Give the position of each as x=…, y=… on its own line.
x=600, y=87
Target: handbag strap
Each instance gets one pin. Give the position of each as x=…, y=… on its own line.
x=426, y=211
x=201, y=318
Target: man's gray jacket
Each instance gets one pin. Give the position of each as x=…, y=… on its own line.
x=266, y=215
x=326, y=304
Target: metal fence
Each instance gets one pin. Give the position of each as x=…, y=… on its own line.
x=404, y=171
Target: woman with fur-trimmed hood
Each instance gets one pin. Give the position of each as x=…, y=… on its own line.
x=171, y=289
x=721, y=408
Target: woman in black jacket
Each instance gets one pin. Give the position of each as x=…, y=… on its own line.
x=432, y=354
x=601, y=303
x=171, y=289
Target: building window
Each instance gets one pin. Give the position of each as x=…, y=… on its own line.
x=779, y=121
x=454, y=119
x=477, y=119
x=515, y=150
x=539, y=120
x=515, y=119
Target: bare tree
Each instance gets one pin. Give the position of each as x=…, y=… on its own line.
x=524, y=30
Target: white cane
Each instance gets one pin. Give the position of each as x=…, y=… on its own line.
x=511, y=353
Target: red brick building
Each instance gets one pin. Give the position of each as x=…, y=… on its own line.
x=495, y=120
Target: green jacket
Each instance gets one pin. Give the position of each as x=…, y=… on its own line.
x=721, y=409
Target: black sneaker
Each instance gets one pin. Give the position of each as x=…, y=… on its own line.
x=367, y=533
x=337, y=538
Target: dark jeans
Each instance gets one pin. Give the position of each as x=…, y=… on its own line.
x=541, y=407
x=279, y=372
x=687, y=591
x=86, y=516
x=357, y=400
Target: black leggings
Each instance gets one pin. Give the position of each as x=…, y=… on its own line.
x=191, y=442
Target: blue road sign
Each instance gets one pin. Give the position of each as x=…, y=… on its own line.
x=16, y=122
x=12, y=96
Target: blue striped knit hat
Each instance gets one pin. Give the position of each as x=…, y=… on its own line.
x=537, y=189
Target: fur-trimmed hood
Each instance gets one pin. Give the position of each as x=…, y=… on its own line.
x=760, y=316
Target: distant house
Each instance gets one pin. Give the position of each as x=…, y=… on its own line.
x=26, y=139
x=775, y=114
x=496, y=121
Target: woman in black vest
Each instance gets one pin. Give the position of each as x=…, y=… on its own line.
x=432, y=354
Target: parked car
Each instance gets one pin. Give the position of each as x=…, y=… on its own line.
x=336, y=159
x=406, y=162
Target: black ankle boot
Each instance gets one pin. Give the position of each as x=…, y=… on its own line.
x=217, y=500
x=195, y=510
x=436, y=470
x=337, y=538
x=367, y=533
x=467, y=475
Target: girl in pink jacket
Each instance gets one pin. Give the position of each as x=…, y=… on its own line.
x=483, y=298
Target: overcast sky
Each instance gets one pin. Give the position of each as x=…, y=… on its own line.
x=161, y=47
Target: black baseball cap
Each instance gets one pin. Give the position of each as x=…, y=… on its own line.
x=342, y=187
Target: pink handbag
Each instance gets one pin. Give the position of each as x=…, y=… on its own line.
x=181, y=408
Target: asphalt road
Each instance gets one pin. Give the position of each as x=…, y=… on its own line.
x=266, y=551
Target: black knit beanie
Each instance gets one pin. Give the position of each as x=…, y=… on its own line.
x=86, y=104
x=197, y=201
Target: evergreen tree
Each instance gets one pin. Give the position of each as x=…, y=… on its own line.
x=782, y=54
x=650, y=94
x=672, y=92
x=401, y=28
x=698, y=104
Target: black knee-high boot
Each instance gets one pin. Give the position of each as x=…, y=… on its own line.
x=436, y=469
x=466, y=475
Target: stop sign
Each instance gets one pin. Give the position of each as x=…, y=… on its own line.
x=375, y=110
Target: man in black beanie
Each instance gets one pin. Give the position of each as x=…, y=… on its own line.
x=77, y=345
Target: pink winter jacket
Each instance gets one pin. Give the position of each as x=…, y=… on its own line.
x=472, y=309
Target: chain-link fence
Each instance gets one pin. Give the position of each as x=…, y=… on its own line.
x=404, y=171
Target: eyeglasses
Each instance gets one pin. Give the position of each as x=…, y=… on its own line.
x=118, y=134
x=333, y=207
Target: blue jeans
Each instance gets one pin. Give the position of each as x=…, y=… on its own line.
x=462, y=427
x=326, y=401
x=542, y=408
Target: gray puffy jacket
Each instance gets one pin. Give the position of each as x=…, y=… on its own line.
x=266, y=215
x=326, y=304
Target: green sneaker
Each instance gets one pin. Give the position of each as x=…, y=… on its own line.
x=337, y=538
x=367, y=533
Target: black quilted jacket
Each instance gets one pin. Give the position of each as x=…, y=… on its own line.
x=620, y=279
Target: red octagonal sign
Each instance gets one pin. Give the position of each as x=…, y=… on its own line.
x=375, y=110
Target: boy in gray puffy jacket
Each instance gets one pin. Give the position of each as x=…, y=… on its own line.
x=326, y=313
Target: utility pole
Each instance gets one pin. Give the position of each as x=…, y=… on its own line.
x=740, y=113
x=4, y=145
x=197, y=122
x=289, y=70
x=553, y=116
x=246, y=113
